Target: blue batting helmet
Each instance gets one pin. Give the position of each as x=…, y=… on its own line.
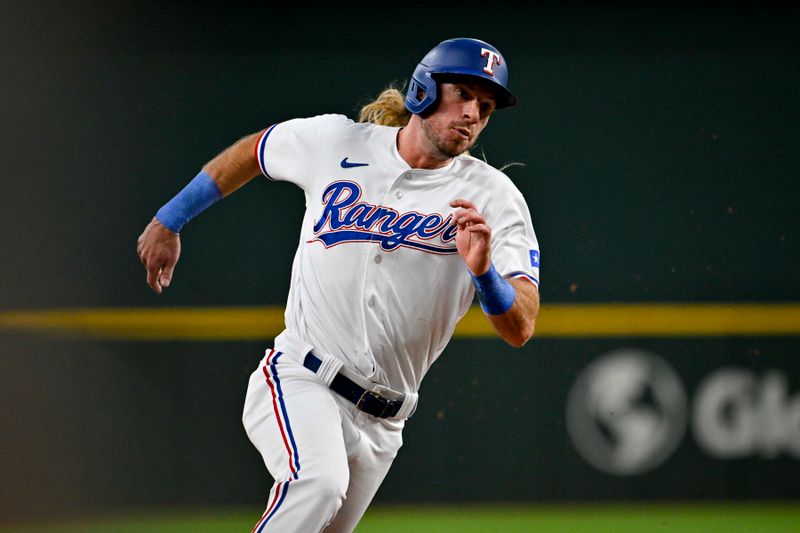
x=462, y=56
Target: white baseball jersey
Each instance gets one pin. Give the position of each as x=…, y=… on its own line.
x=377, y=281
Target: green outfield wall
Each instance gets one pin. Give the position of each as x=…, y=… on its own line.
x=658, y=152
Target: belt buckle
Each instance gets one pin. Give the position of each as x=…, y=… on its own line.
x=375, y=395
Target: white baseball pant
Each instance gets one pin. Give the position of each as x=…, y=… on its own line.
x=327, y=458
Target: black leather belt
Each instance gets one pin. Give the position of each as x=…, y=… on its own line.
x=366, y=400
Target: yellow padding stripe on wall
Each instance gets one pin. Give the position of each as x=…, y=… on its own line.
x=653, y=320
x=555, y=320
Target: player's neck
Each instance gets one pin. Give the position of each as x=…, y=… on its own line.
x=417, y=150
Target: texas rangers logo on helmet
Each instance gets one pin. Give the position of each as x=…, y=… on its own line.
x=493, y=58
x=349, y=220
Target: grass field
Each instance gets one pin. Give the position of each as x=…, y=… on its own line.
x=660, y=518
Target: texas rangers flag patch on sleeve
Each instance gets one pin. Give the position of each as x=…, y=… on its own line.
x=535, y=258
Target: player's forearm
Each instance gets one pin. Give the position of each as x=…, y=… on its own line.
x=516, y=326
x=234, y=166
x=228, y=171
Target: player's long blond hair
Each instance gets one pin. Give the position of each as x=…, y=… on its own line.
x=387, y=109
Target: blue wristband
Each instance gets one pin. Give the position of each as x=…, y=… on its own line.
x=195, y=198
x=495, y=293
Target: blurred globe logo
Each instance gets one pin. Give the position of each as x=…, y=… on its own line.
x=627, y=412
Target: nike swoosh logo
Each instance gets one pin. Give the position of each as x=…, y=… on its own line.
x=347, y=164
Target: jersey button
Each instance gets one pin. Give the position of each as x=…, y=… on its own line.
x=378, y=259
x=398, y=195
x=409, y=177
x=371, y=301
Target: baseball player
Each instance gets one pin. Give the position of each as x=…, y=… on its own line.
x=402, y=228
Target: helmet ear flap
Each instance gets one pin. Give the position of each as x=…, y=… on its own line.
x=421, y=94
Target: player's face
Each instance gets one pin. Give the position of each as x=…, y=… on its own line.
x=463, y=111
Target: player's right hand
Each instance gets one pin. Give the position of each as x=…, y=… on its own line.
x=158, y=249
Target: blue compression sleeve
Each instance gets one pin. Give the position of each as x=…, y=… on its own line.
x=495, y=293
x=195, y=198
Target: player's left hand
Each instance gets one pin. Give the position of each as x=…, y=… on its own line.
x=474, y=237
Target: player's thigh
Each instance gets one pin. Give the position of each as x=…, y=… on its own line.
x=293, y=420
x=376, y=450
